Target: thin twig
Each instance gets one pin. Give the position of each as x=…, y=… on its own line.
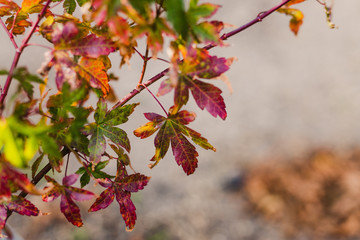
x=142, y=57
x=67, y=164
x=154, y=79
x=13, y=23
x=146, y=59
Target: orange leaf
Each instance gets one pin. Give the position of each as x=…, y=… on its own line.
x=94, y=71
x=294, y=2
x=297, y=18
x=28, y=4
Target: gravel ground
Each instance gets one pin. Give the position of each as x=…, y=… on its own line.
x=290, y=94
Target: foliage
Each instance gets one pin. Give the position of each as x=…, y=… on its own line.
x=41, y=129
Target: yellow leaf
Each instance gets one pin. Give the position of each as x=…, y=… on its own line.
x=10, y=145
x=297, y=18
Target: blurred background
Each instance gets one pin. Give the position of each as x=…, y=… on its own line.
x=287, y=147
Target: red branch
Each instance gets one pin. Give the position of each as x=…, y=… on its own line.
x=18, y=53
x=154, y=79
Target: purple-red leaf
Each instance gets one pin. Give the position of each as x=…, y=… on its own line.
x=104, y=200
x=127, y=208
x=10, y=174
x=70, y=179
x=68, y=193
x=134, y=182
x=173, y=130
x=70, y=210
x=3, y=216
x=66, y=32
x=185, y=117
x=165, y=87
x=91, y=46
x=184, y=152
x=22, y=206
x=154, y=117
x=121, y=188
x=79, y=194
x=211, y=67
x=209, y=97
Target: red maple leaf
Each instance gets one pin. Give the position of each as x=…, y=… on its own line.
x=121, y=188
x=11, y=177
x=197, y=64
x=172, y=130
x=68, y=195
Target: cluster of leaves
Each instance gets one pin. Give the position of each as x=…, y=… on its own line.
x=78, y=56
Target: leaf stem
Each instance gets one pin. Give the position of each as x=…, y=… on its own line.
x=18, y=54
x=38, y=45
x=154, y=79
x=155, y=99
x=11, y=36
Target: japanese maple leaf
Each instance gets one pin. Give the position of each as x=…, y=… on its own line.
x=198, y=64
x=172, y=130
x=105, y=126
x=17, y=204
x=121, y=188
x=8, y=174
x=68, y=195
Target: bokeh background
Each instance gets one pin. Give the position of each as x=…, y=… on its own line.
x=291, y=95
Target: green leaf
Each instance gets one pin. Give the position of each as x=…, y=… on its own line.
x=84, y=179
x=36, y=164
x=50, y=146
x=97, y=145
x=26, y=79
x=205, y=31
x=122, y=157
x=100, y=111
x=69, y=6
x=119, y=115
x=205, y=10
x=177, y=16
x=142, y=6
x=82, y=2
x=117, y=136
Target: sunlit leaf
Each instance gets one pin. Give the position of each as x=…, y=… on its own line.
x=94, y=72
